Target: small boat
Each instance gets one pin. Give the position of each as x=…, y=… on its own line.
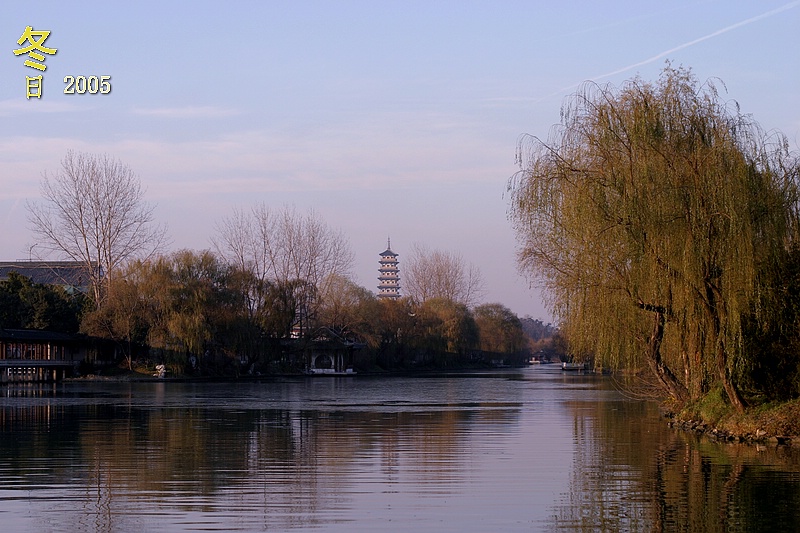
x=574, y=366
x=331, y=372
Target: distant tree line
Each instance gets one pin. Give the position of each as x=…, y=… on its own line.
x=276, y=280
x=546, y=341
x=193, y=306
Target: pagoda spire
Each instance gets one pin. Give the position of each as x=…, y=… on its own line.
x=389, y=273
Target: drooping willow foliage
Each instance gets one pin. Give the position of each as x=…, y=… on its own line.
x=654, y=216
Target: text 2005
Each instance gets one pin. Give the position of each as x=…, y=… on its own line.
x=87, y=84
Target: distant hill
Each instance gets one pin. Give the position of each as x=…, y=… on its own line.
x=537, y=330
x=545, y=340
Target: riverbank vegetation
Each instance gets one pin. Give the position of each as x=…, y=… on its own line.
x=193, y=304
x=663, y=224
x=201, y=316
x=273, y=295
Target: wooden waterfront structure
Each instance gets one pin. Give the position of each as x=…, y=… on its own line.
x=389, y=278
x=28, y=355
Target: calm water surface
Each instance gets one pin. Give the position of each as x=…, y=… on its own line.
x=519, y=450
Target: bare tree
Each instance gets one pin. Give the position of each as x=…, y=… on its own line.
x=442, y=274
x=94, y=213
x=284, y=247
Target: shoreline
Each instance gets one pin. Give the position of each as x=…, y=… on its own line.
x=721, y=435
x=774, y=423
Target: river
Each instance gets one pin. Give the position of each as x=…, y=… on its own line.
x=533, y=449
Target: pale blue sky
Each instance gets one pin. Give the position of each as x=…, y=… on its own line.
x=389, y=118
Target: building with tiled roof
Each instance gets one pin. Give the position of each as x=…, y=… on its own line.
x=72, y=275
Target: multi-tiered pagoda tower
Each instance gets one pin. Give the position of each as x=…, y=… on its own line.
x=389, y=286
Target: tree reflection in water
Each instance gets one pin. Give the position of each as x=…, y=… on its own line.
x=516, y=451
x=690, y=484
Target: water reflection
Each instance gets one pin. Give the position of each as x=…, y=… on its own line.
x=633, y=473
x=531, y=450
x=284, y=455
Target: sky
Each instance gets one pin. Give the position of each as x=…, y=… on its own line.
x=389, y=119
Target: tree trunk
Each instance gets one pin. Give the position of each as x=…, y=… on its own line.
x=665, y=376
x=722, y=371
x=717, y=316
x=692, y=367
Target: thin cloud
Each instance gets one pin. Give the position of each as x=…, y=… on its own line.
x=187, y=112
x=17, y=106
x=354, y=156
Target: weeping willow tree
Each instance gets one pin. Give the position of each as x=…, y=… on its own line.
x=653, y=216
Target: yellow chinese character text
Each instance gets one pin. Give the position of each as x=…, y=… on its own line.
x=34, y=86
x=34, y=44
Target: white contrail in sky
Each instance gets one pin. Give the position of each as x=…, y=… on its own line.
x=665, y=53
x=785, y=7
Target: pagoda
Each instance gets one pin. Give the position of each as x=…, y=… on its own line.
x=389, y=286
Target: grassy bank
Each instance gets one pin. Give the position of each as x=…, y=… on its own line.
x=777, y=421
